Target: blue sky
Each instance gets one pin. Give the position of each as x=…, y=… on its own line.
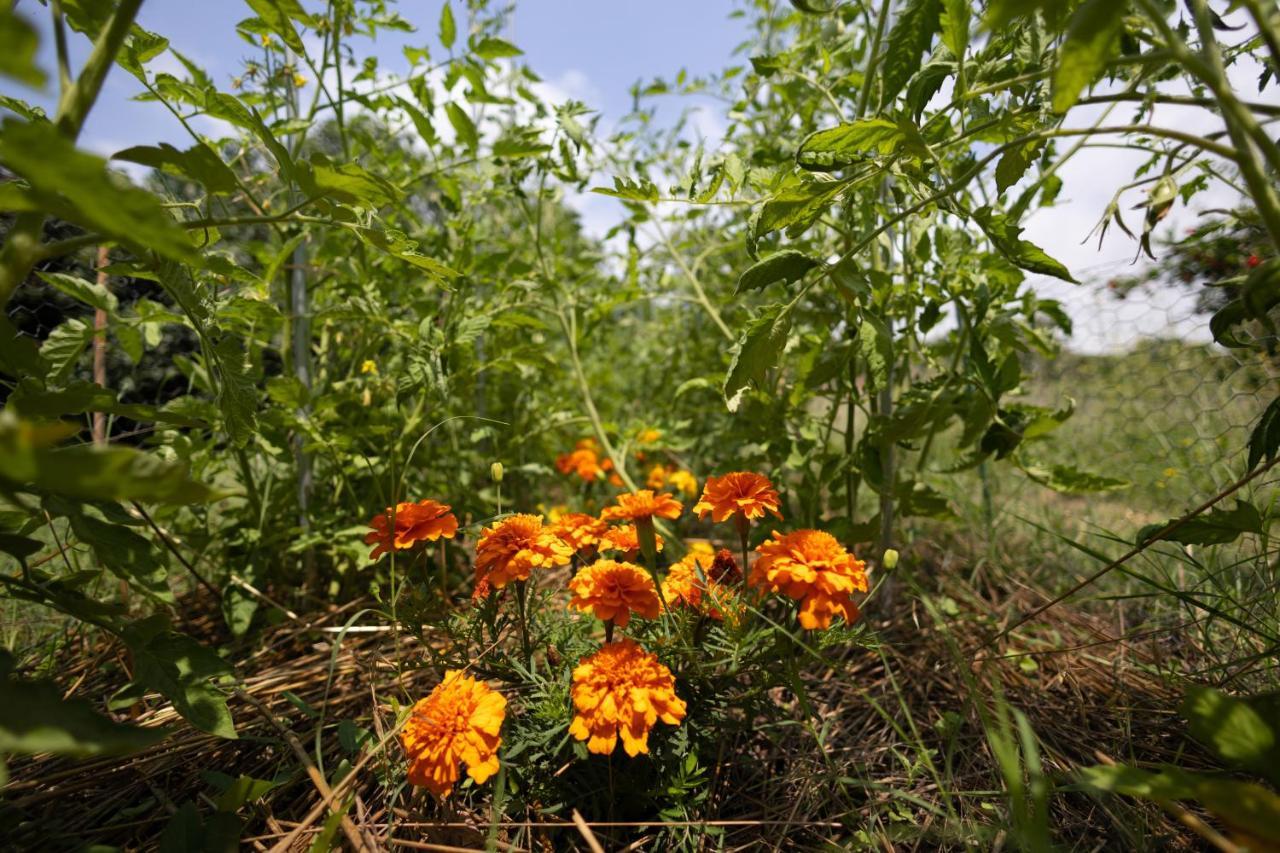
x=590, y=50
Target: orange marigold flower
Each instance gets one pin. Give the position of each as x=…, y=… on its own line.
x=613, y=591
x=643, y=504
x=458, y=722
x=684, y=586
x=513, y=547
x=648, y=436
x=742, y=493
x=625, y=539
x=813, y=568
x=583, y=461
x=580, y=531
x=413, y=522
x=724, y=568
x=622, y=690
x=657, y=477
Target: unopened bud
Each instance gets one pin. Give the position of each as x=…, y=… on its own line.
x=890, y=559
x=495, y=471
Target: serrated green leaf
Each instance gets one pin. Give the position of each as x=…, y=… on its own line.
x=1264, y=441
x=757, y=351
x=275, y=16
x=448, y=28
x=27, y=460
x=786, y=266
x=198, y=163
x=18, y=46
x=955, y=26
x=1234, y=729
x=90, y=293
x=912, y=33
x=490, y=47
x=180, y=669
x=849, y=143
x=62, y=349
x=463, y=126
x=1215, y=527
x=875, y=347
x=1093, y=37
x=1005, y=236
x=1071, y=480
x=76, y=186
x=34, y=719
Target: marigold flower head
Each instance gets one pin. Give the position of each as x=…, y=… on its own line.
x=649, y=436
x=683, y=481
x=613, y=591
x=583, y=461
x=813, y=568
x=741, y=493
x=643, y=504
x=724, y=568
x=408, y=523
x=657, y=477
x=624, y=538
x=459, y=722
x=513, y=547
x=622, y=690
x=683, y=584
x=579, y=531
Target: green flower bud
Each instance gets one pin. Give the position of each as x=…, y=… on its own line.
x=495, y=471
x=890, y=559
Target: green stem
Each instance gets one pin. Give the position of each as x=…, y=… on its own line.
x=521, y=595
x=873, y=59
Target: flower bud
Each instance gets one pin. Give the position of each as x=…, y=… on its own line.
x=890, y=559
x=495, y=471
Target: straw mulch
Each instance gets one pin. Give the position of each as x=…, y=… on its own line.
x=928, y=685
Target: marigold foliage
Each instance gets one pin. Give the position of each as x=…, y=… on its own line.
x=513, y=547
x=643, y=504
x=741, y=493
x=613, y=591
x=409, y=523
x=814, y=569
x=622, y=690
x=459, y=722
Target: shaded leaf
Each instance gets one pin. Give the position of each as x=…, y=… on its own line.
x=757, y=351
x=1005, y=236
x=786, y=266
x=76, y=186
x=198, y=163
x=34, y=718
x=1093, y=36
x=912, y=33
x=852, y=142
x=1215, y=527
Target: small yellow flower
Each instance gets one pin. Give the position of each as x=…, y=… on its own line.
x=684, y=482
x=299, y=81
x=266, y=40
x=1170, y=473
x=369, y=366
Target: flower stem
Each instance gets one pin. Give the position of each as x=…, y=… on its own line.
x=521, y=595
x=744, y=528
